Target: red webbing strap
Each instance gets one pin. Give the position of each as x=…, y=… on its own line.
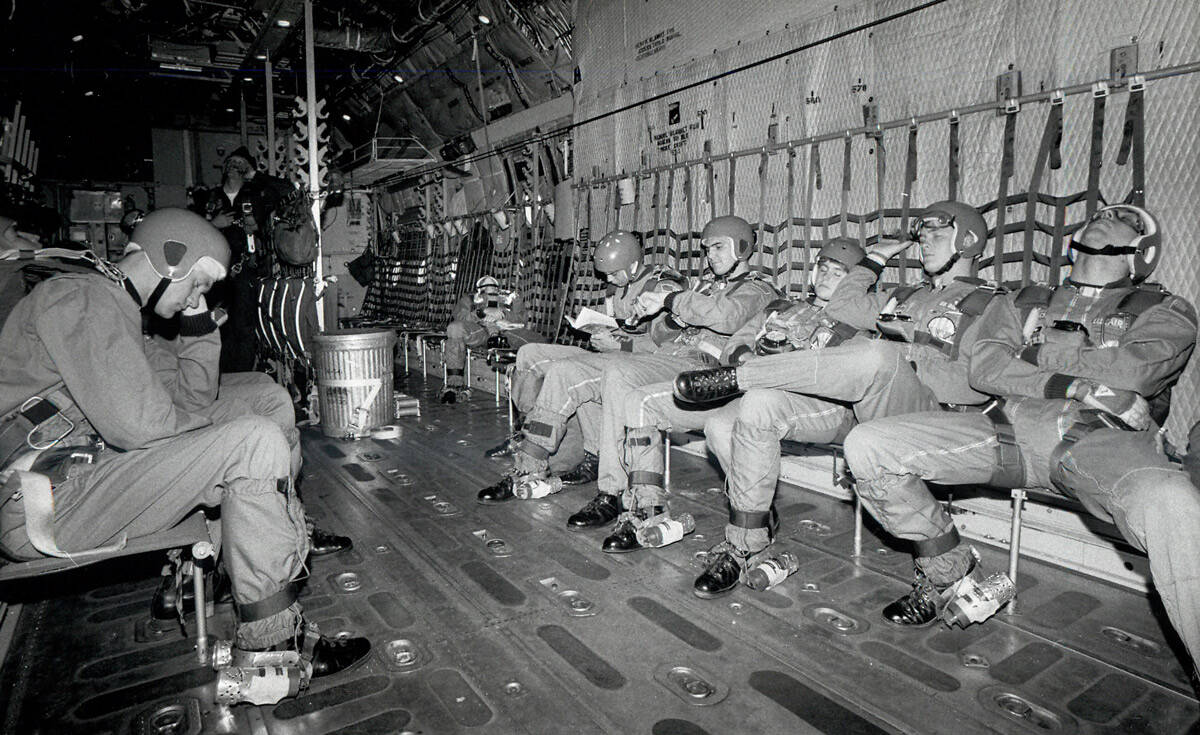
x=880, y=178
x=952, y=193
x=689, y=189
x=636, y=225
x=814, y=182
x=910, y=175
x=1006, y=172
x=535, y=207
x=1133, y=140
x=616, y=202
x=669, y=227
x=610, y=193
x=1051, y=135
x=791, y=214
x=656, y=205
x=763, y=162
x=732, y=192
x=1053, y=278
x=845, y=221
x=712, y=180
x=1096, y=160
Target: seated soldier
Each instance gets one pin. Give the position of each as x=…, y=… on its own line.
x=126, y=459
x=752, y=469
x=478, y=318
x=715, y=307
x=930, y=332
x=1085, y=378
x=563, y=373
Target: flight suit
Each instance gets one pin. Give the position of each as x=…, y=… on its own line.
x=751, y=468
x=560, y=383
x=710, y=311
x=1125, y=337
x=473, y=321
x=77, y=341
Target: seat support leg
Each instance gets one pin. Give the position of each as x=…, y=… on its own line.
x=1014, y=544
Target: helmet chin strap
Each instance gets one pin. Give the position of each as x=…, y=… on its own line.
x=157, y=294
x=949, y=264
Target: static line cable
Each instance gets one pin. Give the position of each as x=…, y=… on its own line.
x=721, y=75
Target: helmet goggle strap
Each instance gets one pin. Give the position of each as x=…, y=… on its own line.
x=937, y=221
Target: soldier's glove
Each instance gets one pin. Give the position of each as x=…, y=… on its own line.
x=1126, y=405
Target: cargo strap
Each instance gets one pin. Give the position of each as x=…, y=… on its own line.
x=929, y=548
x=764, y=161
x=814, y=182
x=952, y=193
x=1009, y=471
x=1051, y=140
x=1096, y=159
x=712, y=181
x=732, y=191
x=454, y=371
x=910, y=176
x=846, y=184
x=1006, y=172
x=642, y=477
x=270, y=605
x=791, y=215
x=1133, y=140
x=880, y=182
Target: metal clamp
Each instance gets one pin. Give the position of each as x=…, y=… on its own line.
x=1100, y=89
x=1057, y=97
x=1012, y=105
x=1137, y=83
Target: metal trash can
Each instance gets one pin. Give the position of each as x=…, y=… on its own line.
x=354, y=380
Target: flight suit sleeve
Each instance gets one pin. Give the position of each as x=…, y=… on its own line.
x=992, y=347
x=744, y=338
x=853, y=302
x=723, y=312
x=98, y=352
x=1147, y=359
x=188, y=367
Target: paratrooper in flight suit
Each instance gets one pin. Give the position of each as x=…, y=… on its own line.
x=930, y=331
x=565, y=378
x=1084, y=379
x=125, y=459
x=486, y=315
x=713, y=308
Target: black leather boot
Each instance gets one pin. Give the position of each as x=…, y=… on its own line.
x=450, y=395
x=924, y=603
x=586, y=471
x=324, y=543
x=726, y=563
x=329, y=655
x=600, y=511
x=501, y=492
x=623, y=539
x=706, y=386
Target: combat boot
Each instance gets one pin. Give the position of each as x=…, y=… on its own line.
x=600, y=511
x=586, y=471
x=623, y=539
x=706, y=386
x=725, y=566
x=501, y=492
x=327, y=656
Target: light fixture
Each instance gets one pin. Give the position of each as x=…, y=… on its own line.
x=261, y=57
x=228, y=109
x=89, y=93
x=483, y=19
x=247, y=79
x=399, y=79
x=77, y=37
x=283, y=23
x=346, y=116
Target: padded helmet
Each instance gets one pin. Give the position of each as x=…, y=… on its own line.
x=736, y=229
x=1145, y=247
x=842, y=250
x=963, y=217
x=175, y=240
x=617, y=251
x=485, y=281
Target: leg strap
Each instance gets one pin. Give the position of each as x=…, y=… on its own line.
x=533, y=450
x=750, y=519
x=454, y=371
x=638, y=441
x=272, y=605
x=1089, y=421
x=1010, y=469
x=642, y=477
x=938, y=545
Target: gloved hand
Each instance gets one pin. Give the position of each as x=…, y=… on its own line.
x=1124, y=404
x=650, y=302
x=885, y=250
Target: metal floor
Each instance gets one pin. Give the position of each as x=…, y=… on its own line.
x=496, y=619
